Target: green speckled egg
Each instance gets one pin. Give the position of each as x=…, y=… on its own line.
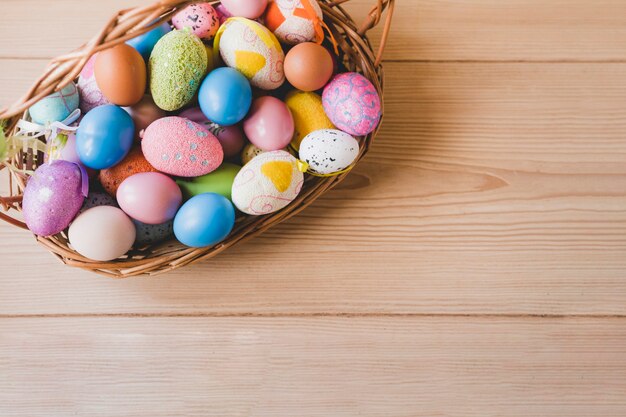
x=177, y=65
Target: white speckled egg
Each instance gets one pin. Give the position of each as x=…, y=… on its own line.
x=253, y=50
x=328, y=151
x=267, y=184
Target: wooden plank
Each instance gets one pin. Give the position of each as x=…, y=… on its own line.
x=511, y=30
x=401, y=366
x=493, y=188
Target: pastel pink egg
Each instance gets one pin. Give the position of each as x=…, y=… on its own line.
x=352, y=103
x=144, y=113
x=269, y=124
x=231, y=137
x=178, y=146
x=90, y=94
x=149, y=197
x=222, y=13
x=250, y=9
x=201, y=18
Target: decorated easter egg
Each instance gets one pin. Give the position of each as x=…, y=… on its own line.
x=269, y=125
x=102, y=233
x=104, y=136
x=249, y=152
x=268, y=183
x=329, y=151
x=253, y=50
x=308, y=66
x=90, y=94
x=308, y=115
x=180, y=147
x=144, y=113
x=121, y=75
x=144, y=44
x=149, y=234
x=225, y=96
x=250, y=9
x=352, y=104
x=177, y=64
x=52, y=197
x=231, y=137
x=201, y=18
x=219, y=182
x=204, y=220
x=150, y=197
x=295, y=21
x=222, y=13
x=97, y=199
x=55, y=107
x=133, y=163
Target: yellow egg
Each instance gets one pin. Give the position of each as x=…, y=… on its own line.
x=308, y=115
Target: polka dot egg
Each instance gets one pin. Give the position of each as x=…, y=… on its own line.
x=328, y=151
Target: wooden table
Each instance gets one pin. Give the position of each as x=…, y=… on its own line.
x=473, y=265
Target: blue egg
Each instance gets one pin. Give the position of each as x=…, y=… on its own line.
x=225, y=96
x=104, y=137
x=55, y=107
x=144, y=44
x=204, y=220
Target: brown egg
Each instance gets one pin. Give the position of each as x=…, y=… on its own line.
x=308, y=66
x=121, y=75
x=134, y=163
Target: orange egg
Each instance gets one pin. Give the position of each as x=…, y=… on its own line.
x=121, y=75
x=308, y=66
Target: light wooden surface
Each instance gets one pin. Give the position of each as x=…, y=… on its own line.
x=473, y=265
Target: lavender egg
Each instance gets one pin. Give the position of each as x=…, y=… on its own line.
x=53, y=197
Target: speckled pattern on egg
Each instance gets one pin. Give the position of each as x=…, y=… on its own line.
x=200, y=17
x=328, y=151
x=132, y=164
x=97, y=199
x=149, y=234
x=295, y=21
x=90, y=94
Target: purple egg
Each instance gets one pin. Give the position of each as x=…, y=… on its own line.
x=230, y=137
x=53, y=197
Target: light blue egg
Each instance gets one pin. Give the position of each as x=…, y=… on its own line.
x=104, y=137
x=144, y=44
x=55, y=107
x=204, y=220
x=225, y=96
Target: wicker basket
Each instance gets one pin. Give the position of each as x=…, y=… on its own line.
x=163, y=257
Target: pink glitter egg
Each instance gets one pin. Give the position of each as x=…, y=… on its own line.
x=352, y=103
x=201, y=18
x=231, y=137
x=180, y=147
x=90, y=94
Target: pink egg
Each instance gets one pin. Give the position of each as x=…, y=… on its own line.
x=231, y=137
x=222, y=13
x=201, y=18
x=250, y=9
x=68, y=153
x=352, y=103
x=269, y=124
x=144, y=113
x=150, y=197
x=90, y=94
x=180, y=147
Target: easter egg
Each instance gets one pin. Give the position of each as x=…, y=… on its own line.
x=253, y=50
x=52, y=197
x=177, y=64
x=225, y=96
x=250, y=151
x=144, y=44
x=222, y=14
x=219, y=182
x=267, y=184
x=104, y=136
x=121, y=74
x=231, y=137
x=308, y=66
x=308, y=115
x=149, y=234
x=204, y=220
x=180, y=147
x=133, y=163
x=250, y=9
x=352, y=103
x=329, y=151
x=144, y=113
x=55, y=107
x=269, y=125
x=201, y=18
x=90, y=94
x=97, y=199
x=102, y=233
x=150, y=197
x=295, y=21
